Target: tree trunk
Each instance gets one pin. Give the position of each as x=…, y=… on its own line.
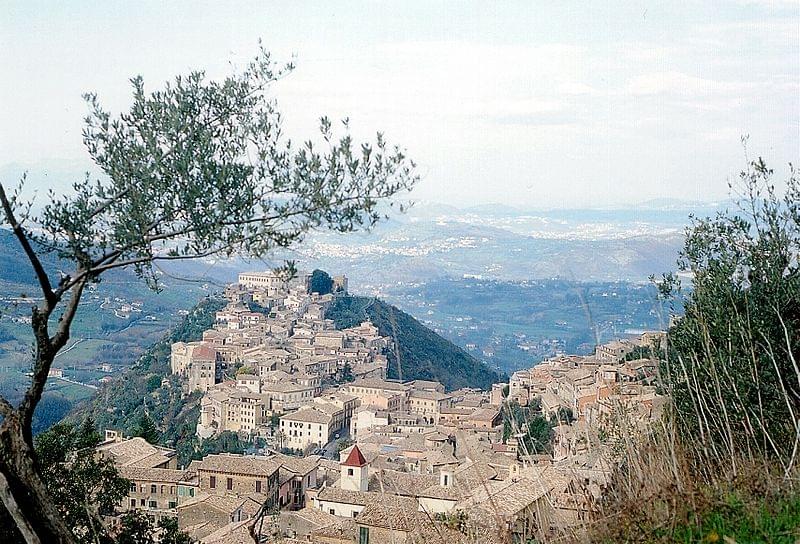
x=23, y=492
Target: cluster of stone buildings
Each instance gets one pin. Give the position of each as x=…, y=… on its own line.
x=598, y=401
x=211, y=497
x=271, y=351
x=422, y=464
x=593, y=388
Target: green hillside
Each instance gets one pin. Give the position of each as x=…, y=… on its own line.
x=423, y=354
x=102, y=333
x=140, y=390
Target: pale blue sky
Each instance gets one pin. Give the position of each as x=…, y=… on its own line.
x=530, y=104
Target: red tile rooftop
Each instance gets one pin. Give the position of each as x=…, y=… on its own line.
x=355, y=458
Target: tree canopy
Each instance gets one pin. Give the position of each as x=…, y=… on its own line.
x=197, y=168
x=321, y=282
x=147, y=429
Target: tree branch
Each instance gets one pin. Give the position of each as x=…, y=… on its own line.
x=47, y=348
x=19, y=517
x=19, y=232
x=5, y=407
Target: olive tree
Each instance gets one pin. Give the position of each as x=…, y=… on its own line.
x=197, y=168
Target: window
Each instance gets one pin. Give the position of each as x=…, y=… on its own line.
x=363, y=535
x=133, y=503
x=153, y=489
x=213, y=483
x=142, y=502
x=163, y=489
x=230, y=484
x=331, y=511
x=152, y=505
x=173, y=505
x=191, y=492
x=258, y=486
x=133, y=487
x=350, y=472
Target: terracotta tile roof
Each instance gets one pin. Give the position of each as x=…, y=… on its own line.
x=135, y=451
x=339, y=528
x=155, y=474
x=436, y=491
x=233, y=533
x=224, y=503
x=484, y=414
x=505, y=498
x=344, y=496
x=378, y=384
x=297, y=465
x=401, y=483
x=204, y=352
x=312, y=515
x=355, y=458
x=309, y=415
x=250, y=465
x=390, y=512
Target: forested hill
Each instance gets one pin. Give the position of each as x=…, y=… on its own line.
x=424, y=355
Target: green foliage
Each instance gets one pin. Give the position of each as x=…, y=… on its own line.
x=321, y=282
x=733, y=360
x=424, y=355
x=346, y=374
x=136, y=527
x=226, y=441
x=256, y=307
x=170, y=534
x=539, y=436
x=121, y=404
x=737, y=512
x=343, y=444
x=764, y=521
x=87, y=435
x=153, y=383
x=640, y=352
x=83, y=486
x=147, y=429
x=536, y=430
x=205, y=164
x=51, y=409
x=244, y=370
x=454, y=520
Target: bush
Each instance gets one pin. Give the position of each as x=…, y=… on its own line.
x=732, y=367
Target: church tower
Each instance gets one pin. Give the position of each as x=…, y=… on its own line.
x=355, y=471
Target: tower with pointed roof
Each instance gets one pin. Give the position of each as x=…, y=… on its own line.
x=355, y=471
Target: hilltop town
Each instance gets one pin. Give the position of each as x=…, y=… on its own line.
x=351, y=456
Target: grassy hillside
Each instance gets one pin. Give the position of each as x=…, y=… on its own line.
x=423, y=353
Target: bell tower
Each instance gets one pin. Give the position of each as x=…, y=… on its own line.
x=355, y=471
